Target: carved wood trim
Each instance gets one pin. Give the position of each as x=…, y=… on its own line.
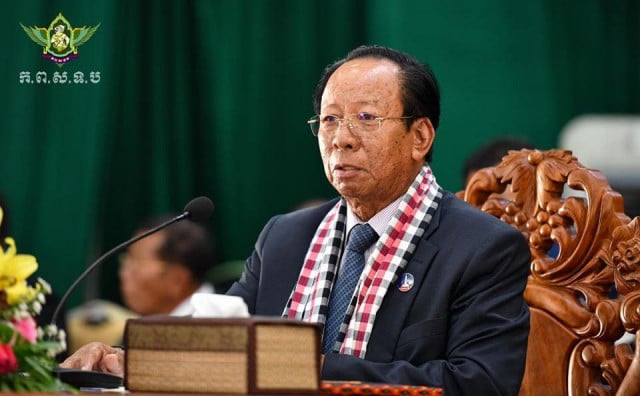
x=582, y=244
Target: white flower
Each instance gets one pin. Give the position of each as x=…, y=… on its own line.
x=45, y=285
x=51, y=330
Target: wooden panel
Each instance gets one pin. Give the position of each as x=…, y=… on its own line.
x=584, y=284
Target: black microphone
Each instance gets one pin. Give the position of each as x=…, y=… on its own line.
x=197, y=209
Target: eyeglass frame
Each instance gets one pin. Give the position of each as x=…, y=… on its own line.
x=315, y=120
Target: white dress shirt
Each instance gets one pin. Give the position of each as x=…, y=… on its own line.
x=185, y=308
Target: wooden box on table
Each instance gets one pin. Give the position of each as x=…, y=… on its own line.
x=257, y=355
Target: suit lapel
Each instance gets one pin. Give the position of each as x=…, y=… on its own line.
x=397, y=304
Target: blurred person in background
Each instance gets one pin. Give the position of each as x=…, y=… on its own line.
x=158, y=275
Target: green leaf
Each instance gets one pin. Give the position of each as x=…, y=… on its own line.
x=6, y=332
x=4, y=386
x=37, y=371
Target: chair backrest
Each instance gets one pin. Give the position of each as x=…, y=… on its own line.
x=584, y=284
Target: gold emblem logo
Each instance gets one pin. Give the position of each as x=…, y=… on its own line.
x=60, y=41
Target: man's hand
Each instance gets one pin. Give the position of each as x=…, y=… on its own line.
x=97, y=357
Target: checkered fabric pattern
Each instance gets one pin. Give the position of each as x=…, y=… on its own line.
x=392, y=252
x=360, y=238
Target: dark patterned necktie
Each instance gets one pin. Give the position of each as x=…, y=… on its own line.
x=360, y=238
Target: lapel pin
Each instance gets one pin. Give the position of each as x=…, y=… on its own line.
x=405, y=282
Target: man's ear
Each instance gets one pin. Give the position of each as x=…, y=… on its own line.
x=423, y=136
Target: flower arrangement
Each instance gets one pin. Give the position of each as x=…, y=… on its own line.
x=27, y=352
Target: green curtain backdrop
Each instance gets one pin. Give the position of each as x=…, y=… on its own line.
x=206, y=97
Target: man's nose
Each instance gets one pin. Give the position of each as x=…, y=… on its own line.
x=344, y=137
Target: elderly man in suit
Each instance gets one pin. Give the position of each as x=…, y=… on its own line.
x=413, y=286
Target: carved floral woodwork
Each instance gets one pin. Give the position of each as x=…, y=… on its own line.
x=584, y=250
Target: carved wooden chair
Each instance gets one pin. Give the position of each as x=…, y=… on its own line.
x=584, y=285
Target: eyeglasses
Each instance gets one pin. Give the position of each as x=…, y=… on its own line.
x=363, y=122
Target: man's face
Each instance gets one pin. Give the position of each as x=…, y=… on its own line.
x=372, y=169
x=144, y=277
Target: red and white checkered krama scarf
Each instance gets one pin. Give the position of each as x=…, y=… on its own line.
x=392, y=252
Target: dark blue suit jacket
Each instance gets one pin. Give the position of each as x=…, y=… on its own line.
x=463, y=326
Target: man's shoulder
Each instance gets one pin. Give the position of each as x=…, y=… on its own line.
x=296, y=225
x=453, y=210
x=463, y=228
